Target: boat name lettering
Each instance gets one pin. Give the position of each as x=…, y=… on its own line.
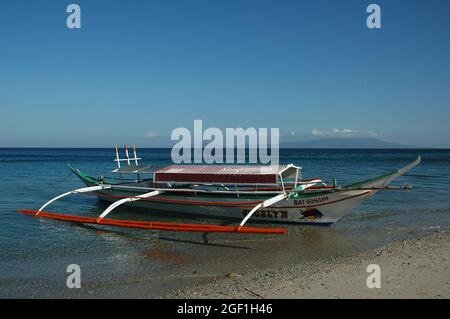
x=311, y=201
x=283, y=214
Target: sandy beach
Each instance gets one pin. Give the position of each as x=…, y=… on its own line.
x=414, y=268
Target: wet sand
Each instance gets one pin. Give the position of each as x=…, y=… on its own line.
x=412, y=268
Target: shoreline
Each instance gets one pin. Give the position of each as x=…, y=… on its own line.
x=411, y=268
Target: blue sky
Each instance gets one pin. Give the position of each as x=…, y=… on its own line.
x=138, y=69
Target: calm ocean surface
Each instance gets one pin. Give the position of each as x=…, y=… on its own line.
x=34, y=253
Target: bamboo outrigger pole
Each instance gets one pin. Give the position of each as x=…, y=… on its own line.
x=76, y=191
x=127, y=200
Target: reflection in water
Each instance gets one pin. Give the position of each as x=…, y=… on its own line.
x=162, y=253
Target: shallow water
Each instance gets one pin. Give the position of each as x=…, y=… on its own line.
x=34, y=253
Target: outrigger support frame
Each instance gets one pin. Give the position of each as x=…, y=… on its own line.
x=76, y=191
x=165, y=226
x=153, y=225
x=127, y=200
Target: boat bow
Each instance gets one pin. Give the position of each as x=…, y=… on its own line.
x=381, y=182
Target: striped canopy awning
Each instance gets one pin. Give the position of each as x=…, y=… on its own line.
x=224, y=174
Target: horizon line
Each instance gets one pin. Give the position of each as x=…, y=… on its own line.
x=281, y=148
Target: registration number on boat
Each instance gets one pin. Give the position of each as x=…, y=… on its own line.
x=310, y=201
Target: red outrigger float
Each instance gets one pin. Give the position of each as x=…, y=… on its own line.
x=155, y=225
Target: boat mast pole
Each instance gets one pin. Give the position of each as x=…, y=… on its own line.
x=135, y=155
x=117, y=157
x=126, y=154
x=118, y=163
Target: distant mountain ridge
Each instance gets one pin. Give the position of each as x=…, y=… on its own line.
x=342, y=142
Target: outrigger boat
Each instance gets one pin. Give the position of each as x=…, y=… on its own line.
x=275, y=194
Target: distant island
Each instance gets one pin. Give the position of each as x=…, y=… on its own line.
x=342, y=142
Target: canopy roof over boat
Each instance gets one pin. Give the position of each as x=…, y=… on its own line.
x=226, y=174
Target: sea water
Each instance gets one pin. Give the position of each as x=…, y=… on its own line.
x=114, y=262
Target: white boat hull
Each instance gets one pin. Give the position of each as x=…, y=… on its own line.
x=321, y=209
